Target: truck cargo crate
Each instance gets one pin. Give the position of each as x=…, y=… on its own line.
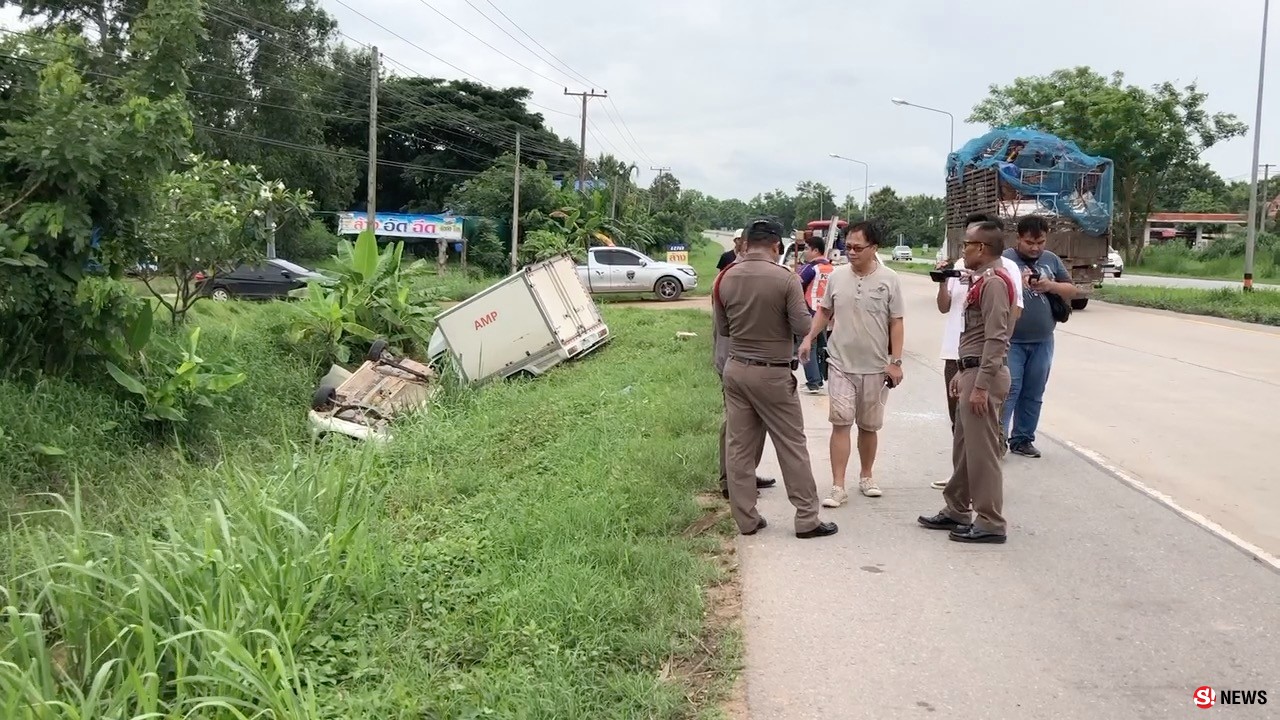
x=1012, y=173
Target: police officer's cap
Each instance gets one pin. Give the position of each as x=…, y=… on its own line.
x=763, y=228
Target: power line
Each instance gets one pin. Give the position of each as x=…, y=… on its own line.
x=482, y=42
x=535, y=42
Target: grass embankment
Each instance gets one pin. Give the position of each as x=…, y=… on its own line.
x=516, y=552
x=1259, y=306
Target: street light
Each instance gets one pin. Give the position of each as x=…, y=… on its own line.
x=900, y=101
x=1257, y=139
x=866, y=178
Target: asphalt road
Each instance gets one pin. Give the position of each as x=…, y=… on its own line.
x=1103, y=604
x=1180, y=282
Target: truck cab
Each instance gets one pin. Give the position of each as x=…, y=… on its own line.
x=623, y=270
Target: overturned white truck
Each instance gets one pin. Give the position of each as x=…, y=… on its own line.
x=526, y=323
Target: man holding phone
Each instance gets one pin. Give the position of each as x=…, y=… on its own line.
x=1031, y=348
x=864, y=353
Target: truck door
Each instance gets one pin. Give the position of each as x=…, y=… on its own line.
x=621, y=269
x=598, y=271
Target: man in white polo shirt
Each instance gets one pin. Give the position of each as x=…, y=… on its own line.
x=951, y=295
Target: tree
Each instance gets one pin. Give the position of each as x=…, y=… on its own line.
x=78, y=159
x=1147, y=133
x=815, y=201
x=210, y=218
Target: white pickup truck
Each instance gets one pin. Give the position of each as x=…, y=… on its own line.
x=623, y=270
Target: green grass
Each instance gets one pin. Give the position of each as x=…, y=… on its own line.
x=1259, y=306
x=515, y=552
x=915, y=268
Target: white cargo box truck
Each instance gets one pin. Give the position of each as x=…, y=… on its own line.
x=527, y=322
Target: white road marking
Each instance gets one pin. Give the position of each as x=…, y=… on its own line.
x=1243, y=545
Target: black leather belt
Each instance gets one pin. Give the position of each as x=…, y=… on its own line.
x=760, y=363
x=969, y=363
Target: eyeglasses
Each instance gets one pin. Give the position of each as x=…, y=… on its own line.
x=856, y=248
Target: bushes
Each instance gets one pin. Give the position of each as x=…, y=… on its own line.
x=1223, y=258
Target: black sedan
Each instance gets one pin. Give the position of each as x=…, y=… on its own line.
x=270, y=279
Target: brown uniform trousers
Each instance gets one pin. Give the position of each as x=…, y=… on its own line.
x=977, y=480
x=760, y=311
x=720, y=349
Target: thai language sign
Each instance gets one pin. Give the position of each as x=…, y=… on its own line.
x=409, y=226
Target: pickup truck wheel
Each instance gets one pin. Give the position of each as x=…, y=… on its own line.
x=323, y=397
x=668, y=288
x=1079, y=303
x=378, y=347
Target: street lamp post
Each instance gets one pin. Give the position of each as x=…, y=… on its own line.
x=900, y=101
x=866, y=179
x=1257, y=141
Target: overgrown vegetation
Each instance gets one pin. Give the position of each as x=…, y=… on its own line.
x=1222, y=259
x=1259, y=306
x=476, y=567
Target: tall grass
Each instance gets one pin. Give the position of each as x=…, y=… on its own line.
x=513, y=553
x=1223, y=259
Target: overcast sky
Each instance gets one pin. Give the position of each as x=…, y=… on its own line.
x=742, y=96
x=746, y=96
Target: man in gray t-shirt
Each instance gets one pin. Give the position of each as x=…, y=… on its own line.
x=1031, y=347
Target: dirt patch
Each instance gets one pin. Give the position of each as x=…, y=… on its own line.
x=711, y=674
x=696, y=303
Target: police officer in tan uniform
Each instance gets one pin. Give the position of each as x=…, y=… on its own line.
x=980, y=386
x=720, y=353
x=760, y=311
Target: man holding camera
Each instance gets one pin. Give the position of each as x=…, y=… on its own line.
x=1031, y=350
x=953, y=284
x=975, y=493
x=759, y=310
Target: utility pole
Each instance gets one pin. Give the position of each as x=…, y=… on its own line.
x=372, y=201
x=582, y=161
x=515, y=211
x=1262, y=217
x=659, y=170
x=1257, y=140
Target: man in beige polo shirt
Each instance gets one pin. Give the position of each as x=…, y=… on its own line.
x=864, y=353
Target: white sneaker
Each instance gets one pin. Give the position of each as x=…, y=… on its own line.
x=939, y=485
x=837, y=497
x=868, y=487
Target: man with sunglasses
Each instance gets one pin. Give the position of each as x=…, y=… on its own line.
x=759, y=310
x=864, y=354
x=975, y=493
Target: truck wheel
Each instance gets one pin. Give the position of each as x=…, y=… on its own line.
x=668, y=288
x=378, y=347
x=323, y=397
x=1079, y=303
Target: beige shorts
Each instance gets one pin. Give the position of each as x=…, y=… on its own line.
x=857, y=399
